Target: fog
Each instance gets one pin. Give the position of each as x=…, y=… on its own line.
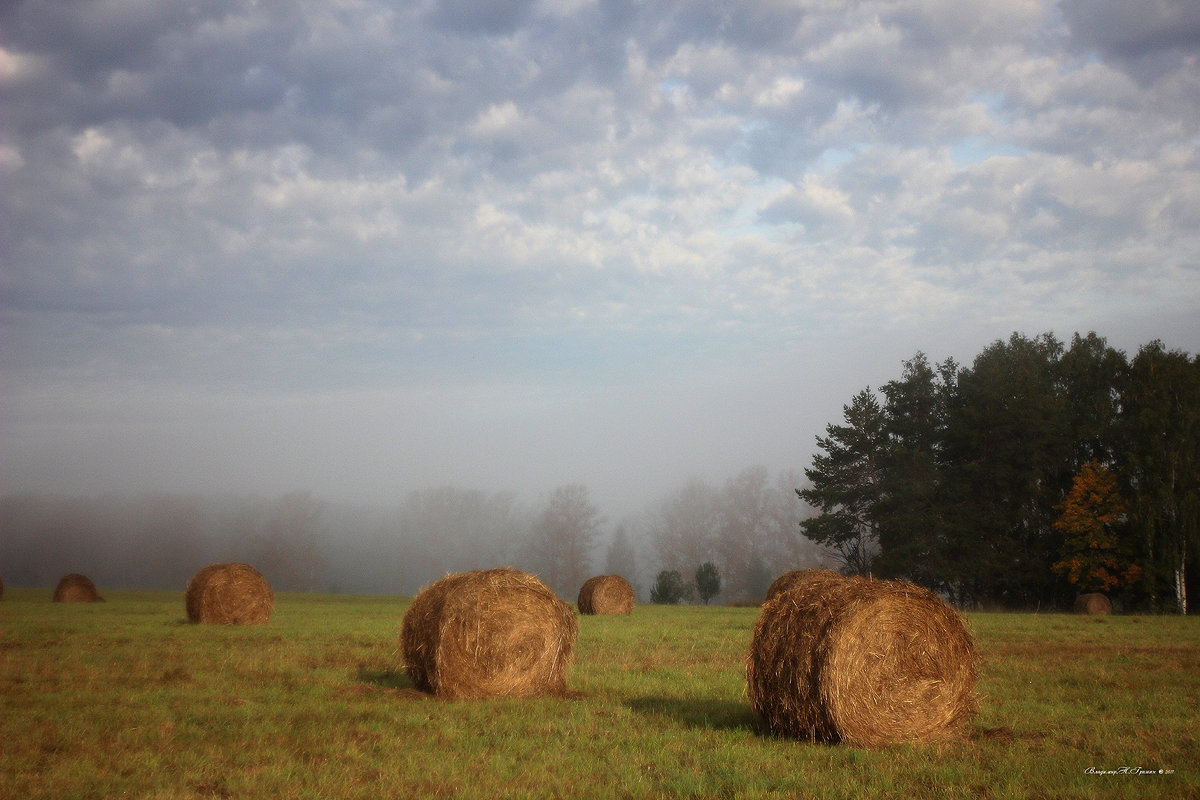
x=747, y=526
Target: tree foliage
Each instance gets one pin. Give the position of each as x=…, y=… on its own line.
x=708, y=581
x=1096, y=558
x=1160, y=423
x=669, y=588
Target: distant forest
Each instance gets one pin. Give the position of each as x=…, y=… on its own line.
x=1039, y=472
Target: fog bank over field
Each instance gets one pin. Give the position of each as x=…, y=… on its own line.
x=748, y=525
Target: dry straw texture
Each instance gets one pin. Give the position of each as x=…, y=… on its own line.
x=75, y=588
x=864, y=662
x=490, y=633
x=606, y=594
x=1094, y=603
x=791, y=579
x=229, y=594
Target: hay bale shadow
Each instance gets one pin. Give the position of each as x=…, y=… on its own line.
x=717, y=715
x=384, y=677
x=391, y=682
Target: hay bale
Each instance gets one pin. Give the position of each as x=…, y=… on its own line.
x=1093, y=603
x=863, y=662
x=489, y=633
x=76, y=588
x=606, y=594
x=1, y=588
x=789, y=580
x=229, y=594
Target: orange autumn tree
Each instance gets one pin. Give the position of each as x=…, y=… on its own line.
x=1094, y=556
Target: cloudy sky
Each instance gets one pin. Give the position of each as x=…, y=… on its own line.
x=361, y=248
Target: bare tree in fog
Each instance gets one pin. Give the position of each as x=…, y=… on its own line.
x=450, y=530
x=622, y=557
x=748, y=529
x=44, y=537
x=683, y=529
x=166, y=533
x=283, y=541
x=561, y=543
x=758, y=521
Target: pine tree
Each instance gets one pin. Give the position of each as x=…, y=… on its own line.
x=845, y=484
x=913, y=534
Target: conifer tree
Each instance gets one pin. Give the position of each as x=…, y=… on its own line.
x=1095, y=556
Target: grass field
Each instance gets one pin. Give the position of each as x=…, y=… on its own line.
x=125, y=698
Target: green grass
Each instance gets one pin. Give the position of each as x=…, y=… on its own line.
x=125, y=698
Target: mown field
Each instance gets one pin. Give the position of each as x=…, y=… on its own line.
x=125, y=698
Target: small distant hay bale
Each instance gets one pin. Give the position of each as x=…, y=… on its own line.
x=229, y=594
x=1093, y=604
x=789, y=580
x=489, y=633
x=863, y=662
x=606, y=594
x=76, y=588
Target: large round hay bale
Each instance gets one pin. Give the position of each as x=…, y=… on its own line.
x=229, y=594
x=75, y=588
x=863, y=662
x=790, y=579
x=606, y=594
x=489, y=633
x=1093, y=603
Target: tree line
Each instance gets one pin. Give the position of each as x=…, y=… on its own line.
x=1040, y=471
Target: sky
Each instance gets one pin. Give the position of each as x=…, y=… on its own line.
x=364, y=248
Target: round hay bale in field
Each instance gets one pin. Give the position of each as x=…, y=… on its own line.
x=489, y=633
x=229, y=594
x=606, y=594
x=1093, y=603
x=790, y=579
x=863, y=662
x=75, y=588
